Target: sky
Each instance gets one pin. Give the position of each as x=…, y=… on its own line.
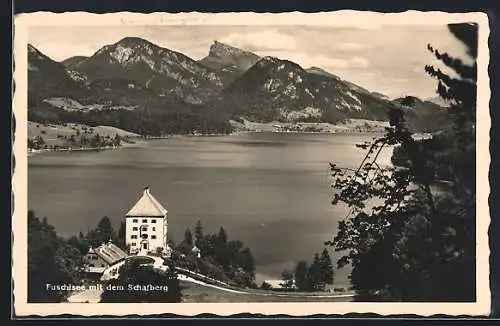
x=389, y=59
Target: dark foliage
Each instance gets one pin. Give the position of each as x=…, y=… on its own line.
x=406, y=238
x=301, y=276
x=133, y=280
x=51, y=261
x=220, y=258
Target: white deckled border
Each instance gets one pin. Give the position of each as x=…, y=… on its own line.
x=344, y=18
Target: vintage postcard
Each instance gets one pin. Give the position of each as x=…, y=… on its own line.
x=226, y=163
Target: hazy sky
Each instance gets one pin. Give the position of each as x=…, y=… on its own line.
x=387, y=59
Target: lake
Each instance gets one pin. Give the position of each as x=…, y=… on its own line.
x=269, y=190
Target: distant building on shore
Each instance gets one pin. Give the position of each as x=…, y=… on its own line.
x=146, y=226
x=279, y=285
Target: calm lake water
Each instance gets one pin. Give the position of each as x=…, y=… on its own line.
x=270, y=190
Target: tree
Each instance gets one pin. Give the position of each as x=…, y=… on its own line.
x=80, y=243
x=222, y=236
x=246, y=261
x=102, y=233
x=142, y=283
x=221, y=249
x=121, y=235
x=186, y=244
x=265, y=286
x=416, y=243
x=188, y=237
x=51, y=261
x=326, y=267
x=314, y=275
x=242, y=279
x=301, y=276
x=198, y=234
x=287, y=278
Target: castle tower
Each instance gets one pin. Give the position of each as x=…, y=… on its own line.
x=146, y=225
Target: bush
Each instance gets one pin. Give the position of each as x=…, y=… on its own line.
x=265, y=286
x=132, y=273
x=242, y=279
x=213, y=271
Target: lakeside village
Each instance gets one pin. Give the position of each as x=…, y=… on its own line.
x=210, y=260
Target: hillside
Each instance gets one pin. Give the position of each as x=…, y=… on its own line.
x=143, y=88
x=48, y=78
x=193, y=292
x=73, y=61
x=153, y=67
x=52, y=136
x=423, y=115
x=322, y=72
x=275, y=89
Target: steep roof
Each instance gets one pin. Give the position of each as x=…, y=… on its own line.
x=109, y=252
x=147, y=206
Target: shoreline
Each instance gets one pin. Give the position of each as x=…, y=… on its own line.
x=32, y=152
x=143, y=139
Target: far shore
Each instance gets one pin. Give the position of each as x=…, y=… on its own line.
x=142, y=139
x=77, y=149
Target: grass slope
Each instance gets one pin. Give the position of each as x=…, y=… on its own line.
x=49, y=132
x=192, y=292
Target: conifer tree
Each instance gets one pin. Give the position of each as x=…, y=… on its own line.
x=198, y=234
x=326, y=267
x=314, y=275
x=121, y=235
x=301, y=276
x=188, y=237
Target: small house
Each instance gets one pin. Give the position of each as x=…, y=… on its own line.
x=98, y=259
x=279, y=285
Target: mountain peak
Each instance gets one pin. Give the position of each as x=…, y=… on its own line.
x=133, y=40
x=269, y=58
x=222, y=56
x=323, y=72
x=219, y=49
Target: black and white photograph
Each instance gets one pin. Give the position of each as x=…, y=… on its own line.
x=335, y=160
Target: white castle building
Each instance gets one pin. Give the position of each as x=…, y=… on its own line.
x=146, y=226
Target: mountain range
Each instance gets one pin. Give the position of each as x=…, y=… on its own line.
x=141, y=87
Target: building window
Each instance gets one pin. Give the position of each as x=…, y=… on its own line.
x=144, y=221
x=134, y=236
x=153, y=221
x=102, y=265
x=144, y=228
x=134, y=228
x=135, y=220
x=133, y=244
x=144, y=236
x=154, y=229
x=95, y=258
x=91, y=265
x=153, y=237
